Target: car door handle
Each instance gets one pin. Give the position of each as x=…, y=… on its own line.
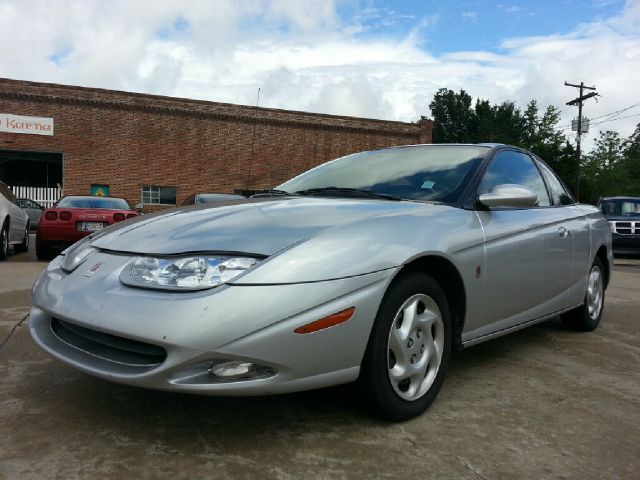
x=563, y=232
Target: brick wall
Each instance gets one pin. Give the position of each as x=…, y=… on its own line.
x=128, y=140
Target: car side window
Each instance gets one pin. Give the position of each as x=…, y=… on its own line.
x=512, y=167
x=559, y=194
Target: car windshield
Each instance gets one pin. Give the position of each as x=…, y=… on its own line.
x=621, y=207
x=437, y=173
x=94, y=202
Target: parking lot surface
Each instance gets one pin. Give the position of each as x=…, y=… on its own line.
x=541, y=403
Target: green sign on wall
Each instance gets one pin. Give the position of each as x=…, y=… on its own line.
x=99, y=190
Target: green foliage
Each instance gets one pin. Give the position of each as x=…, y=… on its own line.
x=612, y=168
x=456, y=119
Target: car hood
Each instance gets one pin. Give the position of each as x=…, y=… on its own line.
x=256, y=226
x=623, y=218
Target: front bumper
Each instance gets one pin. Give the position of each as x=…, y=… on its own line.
x=59, y=236
x=232, y=322
x=625, y=244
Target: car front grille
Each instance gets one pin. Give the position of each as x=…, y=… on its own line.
x=626, y=228
x=108, y=347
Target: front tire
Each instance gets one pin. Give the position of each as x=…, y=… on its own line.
x=43, y=252
x=409, y=348
x=587, y=316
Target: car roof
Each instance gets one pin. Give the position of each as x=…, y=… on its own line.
x=619, y=198
x=415, y=145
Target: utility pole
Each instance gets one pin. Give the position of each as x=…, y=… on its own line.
x=578, y=101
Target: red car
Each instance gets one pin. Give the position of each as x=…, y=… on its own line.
x=74, y=217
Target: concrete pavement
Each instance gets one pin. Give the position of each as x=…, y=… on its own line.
x=541, y=403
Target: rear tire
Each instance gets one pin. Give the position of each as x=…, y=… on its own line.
x=587, y=316
x=4, y=242
x=42, y=251
x=409, y=348
x=24, y=246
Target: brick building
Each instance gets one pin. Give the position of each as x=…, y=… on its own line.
x=162, y=149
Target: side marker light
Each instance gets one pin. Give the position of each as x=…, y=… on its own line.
x=326, y=322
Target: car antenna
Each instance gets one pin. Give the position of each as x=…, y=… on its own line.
x=253, y=142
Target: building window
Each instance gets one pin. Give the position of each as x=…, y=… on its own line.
x=159, y=195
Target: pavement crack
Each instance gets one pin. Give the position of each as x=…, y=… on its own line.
x=13, y=330
x=472, y=469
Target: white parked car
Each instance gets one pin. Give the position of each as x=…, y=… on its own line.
x=14, y=223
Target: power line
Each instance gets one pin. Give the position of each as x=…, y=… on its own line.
x=617, y=111
x=611, y=114
x=617, y=118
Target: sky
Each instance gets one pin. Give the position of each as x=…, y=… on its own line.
x=377, y=59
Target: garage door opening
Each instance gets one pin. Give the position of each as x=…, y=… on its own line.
x=33, y=175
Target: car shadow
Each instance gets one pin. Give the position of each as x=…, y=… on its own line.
x=156, y=416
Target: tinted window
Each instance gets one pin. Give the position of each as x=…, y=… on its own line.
x=433, y=173
x=559, y=194
x=515, y=168
x=621, y=207
x=94, y=202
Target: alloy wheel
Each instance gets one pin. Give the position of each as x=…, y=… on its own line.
x=595, y=290
x=415, y=347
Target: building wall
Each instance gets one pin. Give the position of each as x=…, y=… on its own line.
x=130, y=140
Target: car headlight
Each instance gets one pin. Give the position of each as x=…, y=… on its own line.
x=184, y=273
x=76, y=254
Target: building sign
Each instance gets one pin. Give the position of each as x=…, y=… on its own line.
x=30, y=125
x=99, y=190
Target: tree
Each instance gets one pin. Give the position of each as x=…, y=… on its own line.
x=601, y=174
x=630, y=164
x=611, y=168
x=454, y=120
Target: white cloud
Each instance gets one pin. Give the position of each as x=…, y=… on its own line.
x=304, y=55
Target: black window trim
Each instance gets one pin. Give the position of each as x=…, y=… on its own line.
x=537, y=159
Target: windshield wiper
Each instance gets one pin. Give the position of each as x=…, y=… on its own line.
x=346, y=192
x=271, y=192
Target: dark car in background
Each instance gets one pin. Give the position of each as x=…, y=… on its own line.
x=33, y=210
x=200, y=198
x=623, y=214
x=75, y=217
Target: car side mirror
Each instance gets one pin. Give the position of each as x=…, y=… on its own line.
x=509, y=196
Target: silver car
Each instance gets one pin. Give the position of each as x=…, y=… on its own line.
x=33, y=210
x=371, y=268
x=14, y=223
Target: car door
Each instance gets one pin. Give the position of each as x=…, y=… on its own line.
x=528, y=251
x=579, y=229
